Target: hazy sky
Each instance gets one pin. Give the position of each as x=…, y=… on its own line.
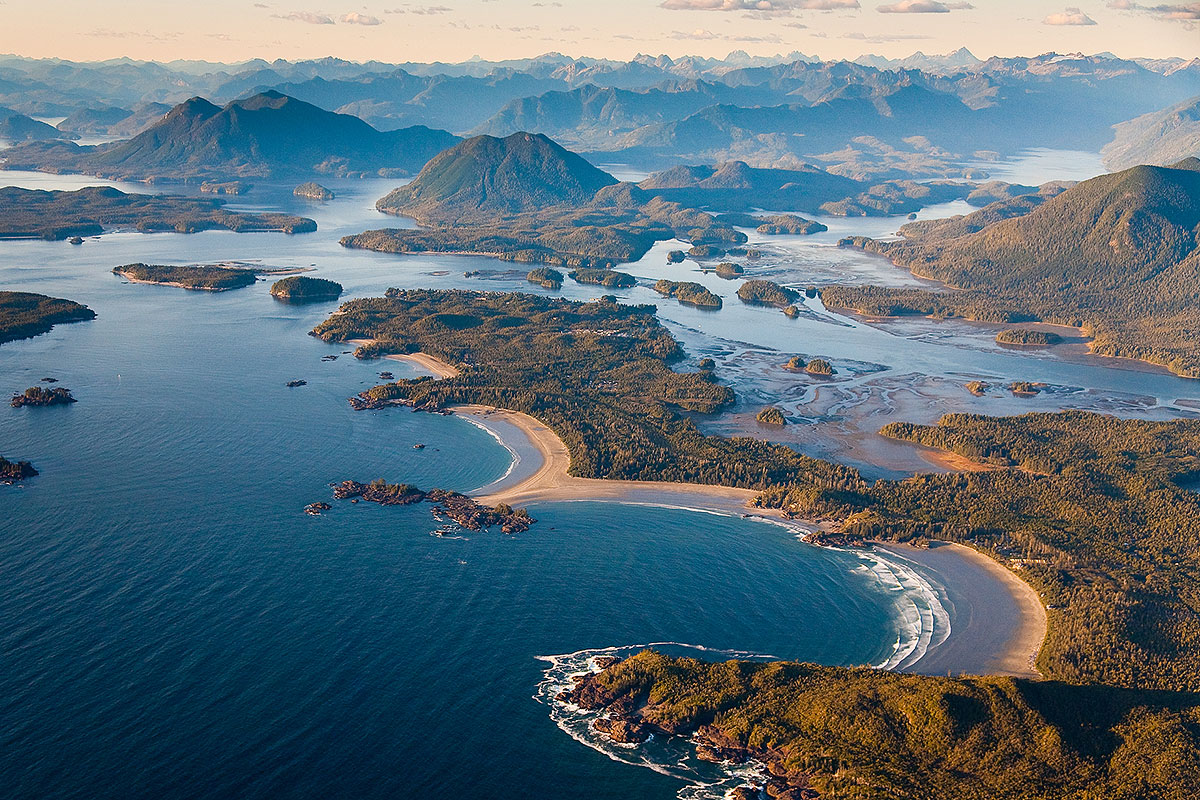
x=452, y=30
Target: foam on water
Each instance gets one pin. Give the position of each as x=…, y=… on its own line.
x=673, y=756
x=921, y=619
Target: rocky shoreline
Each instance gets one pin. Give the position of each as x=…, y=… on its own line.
x=628, y=717
x=458, y=507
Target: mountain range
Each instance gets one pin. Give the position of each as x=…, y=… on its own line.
x=768, y=111
x=267, y=135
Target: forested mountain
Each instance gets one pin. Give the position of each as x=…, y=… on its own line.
x=485, y=177
x=1163, y=137
x=16, y=127
x=267, y=135
x=1118, y=254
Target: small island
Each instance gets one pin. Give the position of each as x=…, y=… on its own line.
x=676, y=257
x=545, y=277
x=706, y=251
x=608, y=278
x=689, y=293
x=729, y=271
x=767, y=293
x=313, y=191
x=198, y=278
x=224, y=187
x=13, y=471
x=795, y=364
x=40, y=396
x=820, y=367
x=24, y=315
x=1025, y=388
x=771, y=416
x=458, y=507
x=1027, y=337
x=978, y=388
x=301, y=289
x=789, y=224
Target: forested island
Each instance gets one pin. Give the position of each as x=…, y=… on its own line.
x=200, y=278
x=689, y=293
x=608, y=278
x=790, y=224
x=24, y=315
x=1117, y=255
x=767, y=293
x=545, y=277
x=313, y=191
x=1027, y=337
x=55, y=215
x=301, y=289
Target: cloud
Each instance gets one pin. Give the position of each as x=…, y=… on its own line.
x=1072, y=16
x=880, y=38
x=355, y=18
x=701, y=35
x=762, y=7
x=306, y=16
x=923, y=7
x=422, y=10
x=1187, y=12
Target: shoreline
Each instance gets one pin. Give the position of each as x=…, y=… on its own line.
x=978, y=644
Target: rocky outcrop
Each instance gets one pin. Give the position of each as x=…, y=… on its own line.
x=629, y=717
x=13, y=471
x=455, y=506
x=40, y=396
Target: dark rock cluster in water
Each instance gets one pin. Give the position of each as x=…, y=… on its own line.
x=453, y=505
x=40, y=396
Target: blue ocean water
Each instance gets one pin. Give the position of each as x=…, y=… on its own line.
x=172, y=624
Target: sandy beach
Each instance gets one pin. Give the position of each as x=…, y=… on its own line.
x=434, y=366
x=1000, y=621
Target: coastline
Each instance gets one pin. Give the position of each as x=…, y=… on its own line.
x=981, y=642
x=435, y=366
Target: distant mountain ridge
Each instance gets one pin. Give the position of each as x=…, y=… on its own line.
x=1160, y=138
x=267, y=135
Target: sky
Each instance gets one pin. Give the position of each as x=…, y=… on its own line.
x=455, y=30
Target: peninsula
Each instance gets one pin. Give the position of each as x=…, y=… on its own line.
x=1117, y=255
x=54, y=215
x=24, y=315
x=613, y=426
